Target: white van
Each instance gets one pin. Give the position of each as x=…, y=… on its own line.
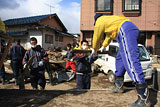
x=106, y=62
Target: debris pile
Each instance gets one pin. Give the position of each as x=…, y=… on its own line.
x=155, y=59
x=7, y=64
x=55, y=54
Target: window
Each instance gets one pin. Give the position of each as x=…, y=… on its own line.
x=48, y=38
x=143, y=56
x=113, y=50
x=56, y=36
x=131, y=5
x=60, y=38
x=104, y=5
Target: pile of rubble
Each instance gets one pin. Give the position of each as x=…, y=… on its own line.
x=8, y=68
x=55, y=54
x=155, y=59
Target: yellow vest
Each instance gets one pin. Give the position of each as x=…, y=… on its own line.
x=108, y=25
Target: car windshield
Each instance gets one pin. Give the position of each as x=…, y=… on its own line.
x=143, y=54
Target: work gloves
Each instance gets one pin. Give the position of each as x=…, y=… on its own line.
x=41, y=63
x=71, y=60
x=93, y=51
x=24, y=66
x=101, y=49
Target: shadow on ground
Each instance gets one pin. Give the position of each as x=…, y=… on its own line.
x=30, y=98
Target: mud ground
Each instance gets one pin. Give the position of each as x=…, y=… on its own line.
x=65, y=95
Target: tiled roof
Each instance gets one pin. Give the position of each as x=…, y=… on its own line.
x=25, y=20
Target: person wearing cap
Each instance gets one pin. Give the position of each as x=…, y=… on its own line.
x=16, y=54
x=126, y=33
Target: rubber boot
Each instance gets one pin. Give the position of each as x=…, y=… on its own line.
x=41, y=88
x=21, y=82
x=71, y=76
x=51, y=78
x=16, y=81
x=118, y=85
x=143, y=94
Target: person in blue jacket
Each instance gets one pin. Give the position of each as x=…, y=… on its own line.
x=83, y=67
x=16, y=54
x=37, y=67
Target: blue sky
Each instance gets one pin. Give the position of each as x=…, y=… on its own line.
x=67, y=10
x=67, y=2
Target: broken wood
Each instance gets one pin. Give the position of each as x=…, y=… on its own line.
x=21, y=76
x=4, y=55
x=28, y=63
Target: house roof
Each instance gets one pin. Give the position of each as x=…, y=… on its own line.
x=32, y=19
x=25, y=20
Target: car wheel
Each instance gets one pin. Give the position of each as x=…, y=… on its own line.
x=111, y=77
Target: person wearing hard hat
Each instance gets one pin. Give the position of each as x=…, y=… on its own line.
x=126, y=33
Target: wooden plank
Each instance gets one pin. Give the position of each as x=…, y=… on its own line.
x=57, y=62
x=29, y=62
x=21, y=76
x=10, y=39
x=87, y=51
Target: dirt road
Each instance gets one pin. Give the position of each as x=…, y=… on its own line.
x=65, y=95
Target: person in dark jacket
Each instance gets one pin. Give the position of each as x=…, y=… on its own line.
x=16, y=54
x=70, y=62
x=83, y=67
x=2, y=71
x=37, y=67
x=69, y=56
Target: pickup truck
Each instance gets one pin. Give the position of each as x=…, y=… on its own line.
x=106, y=62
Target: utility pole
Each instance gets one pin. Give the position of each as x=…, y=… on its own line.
x=50, y=7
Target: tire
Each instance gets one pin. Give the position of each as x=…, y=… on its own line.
x=111, y=77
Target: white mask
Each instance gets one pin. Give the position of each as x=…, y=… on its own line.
x=33, y=46
x=84, y=47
